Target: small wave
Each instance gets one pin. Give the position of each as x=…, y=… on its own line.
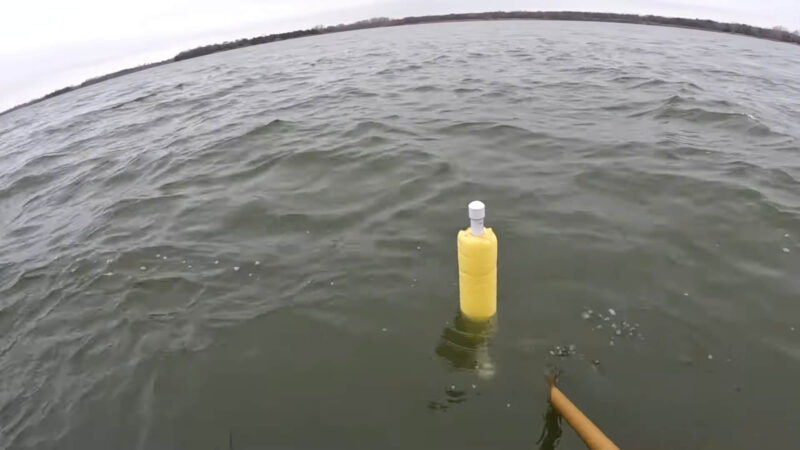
x=374, y=54
x=28, y=183
x=518, y=51
x=595, y=69
x=401, y=69
x=425, y=88
x=273, y=126
x=712, y=112
x=437, y=59
x=135, y=208
x=135, y=100
x=372, y=127
x=768, y=177
x=628, y=106
x=629, y=79
x=354, y=92
x=45, y=162
x=561, y=57
x=659, y=82
x=492, y=130
x=702, y=115
x=573, y=85
x=744, y=122
x=462, y=90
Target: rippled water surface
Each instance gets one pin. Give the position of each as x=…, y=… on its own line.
x=256, y=249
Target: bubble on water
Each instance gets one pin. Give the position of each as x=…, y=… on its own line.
x=190, y=266
x=710, y=356
x=611, y=342
x=331, y=283
x=614, y=326
x=786, y=235
x=586, y=315
x=606, y=318
x=216, y=261
x=183, y=262
x=158, y=255
x=563, y=352
x=249, y=274
x=791, y=328
x=612, y=312
x=599, y=326
x=143, y=268
x=258, y=263
x=236, y=268
x=384, y=330
x=419, y=248
x=508, y=405
x=474, y=387
x=308, y=231
x=619, y=332
x=685, y=294
x=785, y=250
x=108, y=274
x=109, y=261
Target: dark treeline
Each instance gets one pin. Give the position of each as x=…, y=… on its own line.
x=776, y=34
x=107, y=76
x=90, y=82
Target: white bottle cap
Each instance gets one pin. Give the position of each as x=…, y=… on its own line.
x=477, y=211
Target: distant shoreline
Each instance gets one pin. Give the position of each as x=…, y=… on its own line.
x=775, y=34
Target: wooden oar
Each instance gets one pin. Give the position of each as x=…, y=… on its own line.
x=591, y=435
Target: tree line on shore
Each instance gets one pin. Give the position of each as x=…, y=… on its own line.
x=776, y=33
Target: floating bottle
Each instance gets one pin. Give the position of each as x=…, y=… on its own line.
x=477, y=266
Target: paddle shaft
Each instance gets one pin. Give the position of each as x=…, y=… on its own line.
x=591, y=435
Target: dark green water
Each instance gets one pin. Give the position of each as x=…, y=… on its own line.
x=257, y=248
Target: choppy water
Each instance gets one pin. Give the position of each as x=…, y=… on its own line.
x=257, y=248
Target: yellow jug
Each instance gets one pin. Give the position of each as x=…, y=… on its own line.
x=477, y=266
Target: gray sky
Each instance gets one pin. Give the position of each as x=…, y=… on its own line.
x=48, y=44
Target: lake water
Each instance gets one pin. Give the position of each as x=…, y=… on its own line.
x=257, y=248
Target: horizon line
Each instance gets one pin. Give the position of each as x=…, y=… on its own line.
x=778, y=34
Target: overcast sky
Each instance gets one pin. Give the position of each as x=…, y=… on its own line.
x=48, y=44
